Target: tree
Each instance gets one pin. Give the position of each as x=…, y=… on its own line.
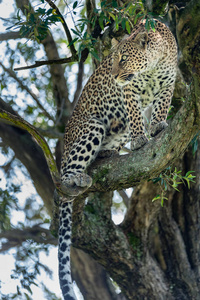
x=153, y=253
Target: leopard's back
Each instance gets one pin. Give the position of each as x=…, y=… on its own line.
x=102, y=100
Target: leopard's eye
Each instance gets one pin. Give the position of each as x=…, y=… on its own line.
x=123, y=58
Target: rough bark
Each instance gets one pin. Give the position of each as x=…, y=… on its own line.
x=129, y=263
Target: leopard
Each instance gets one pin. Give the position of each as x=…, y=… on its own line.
x=139, y=73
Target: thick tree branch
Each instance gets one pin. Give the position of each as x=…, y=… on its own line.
x=15, y=237
x=169, y=231
x=153, y=158
x=21, y=123
x=87, y=272
x=101, y=238
x=124, y=196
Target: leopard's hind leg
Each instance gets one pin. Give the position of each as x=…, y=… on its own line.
x=84, y=150
x=135, y=118
x=160, y=109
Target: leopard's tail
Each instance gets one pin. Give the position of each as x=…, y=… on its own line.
x=65, y=216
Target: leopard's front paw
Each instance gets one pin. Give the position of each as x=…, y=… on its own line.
x=139, y=142
x=156, y=128
x=107, y=153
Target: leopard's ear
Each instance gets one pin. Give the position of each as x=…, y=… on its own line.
x=114, y=42
x=142, y=39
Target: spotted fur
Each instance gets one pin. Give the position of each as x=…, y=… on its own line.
x=140, y=72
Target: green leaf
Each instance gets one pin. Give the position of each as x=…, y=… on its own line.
x=75, y=4
x=72, y=42
x=114, y=4
x=75, y=32
x=155, y=180
x=152, y=24
x=101, y=19
x=49, y=11
x=116, y=23
x=147, y=25
x=27, y=296
x=112, y=15
x=189, y=173
x=168, y=168
x=94, y=54
x=103, y=3
x=42, y=11
x=194, y=144
x=162, y=201
x=123, y=23
x=165, y=185
x=156, y=198
x=128, y=27
x=81, y=48
x=138, y=16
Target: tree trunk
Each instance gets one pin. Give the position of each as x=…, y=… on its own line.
x=154, y=253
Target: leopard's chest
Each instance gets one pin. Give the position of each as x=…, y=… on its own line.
x=147, y=85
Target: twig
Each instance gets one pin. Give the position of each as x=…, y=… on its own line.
x=13, y=75
x=124, y=196
x=13, y=35
x=48, y=62
x=68, y=34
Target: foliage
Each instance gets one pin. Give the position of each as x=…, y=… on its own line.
x=124, y=16
x=27, y=268
x=173, y=179
x=37, y=23
x=8, y=201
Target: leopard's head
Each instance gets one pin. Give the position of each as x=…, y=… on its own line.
x=129, y=58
